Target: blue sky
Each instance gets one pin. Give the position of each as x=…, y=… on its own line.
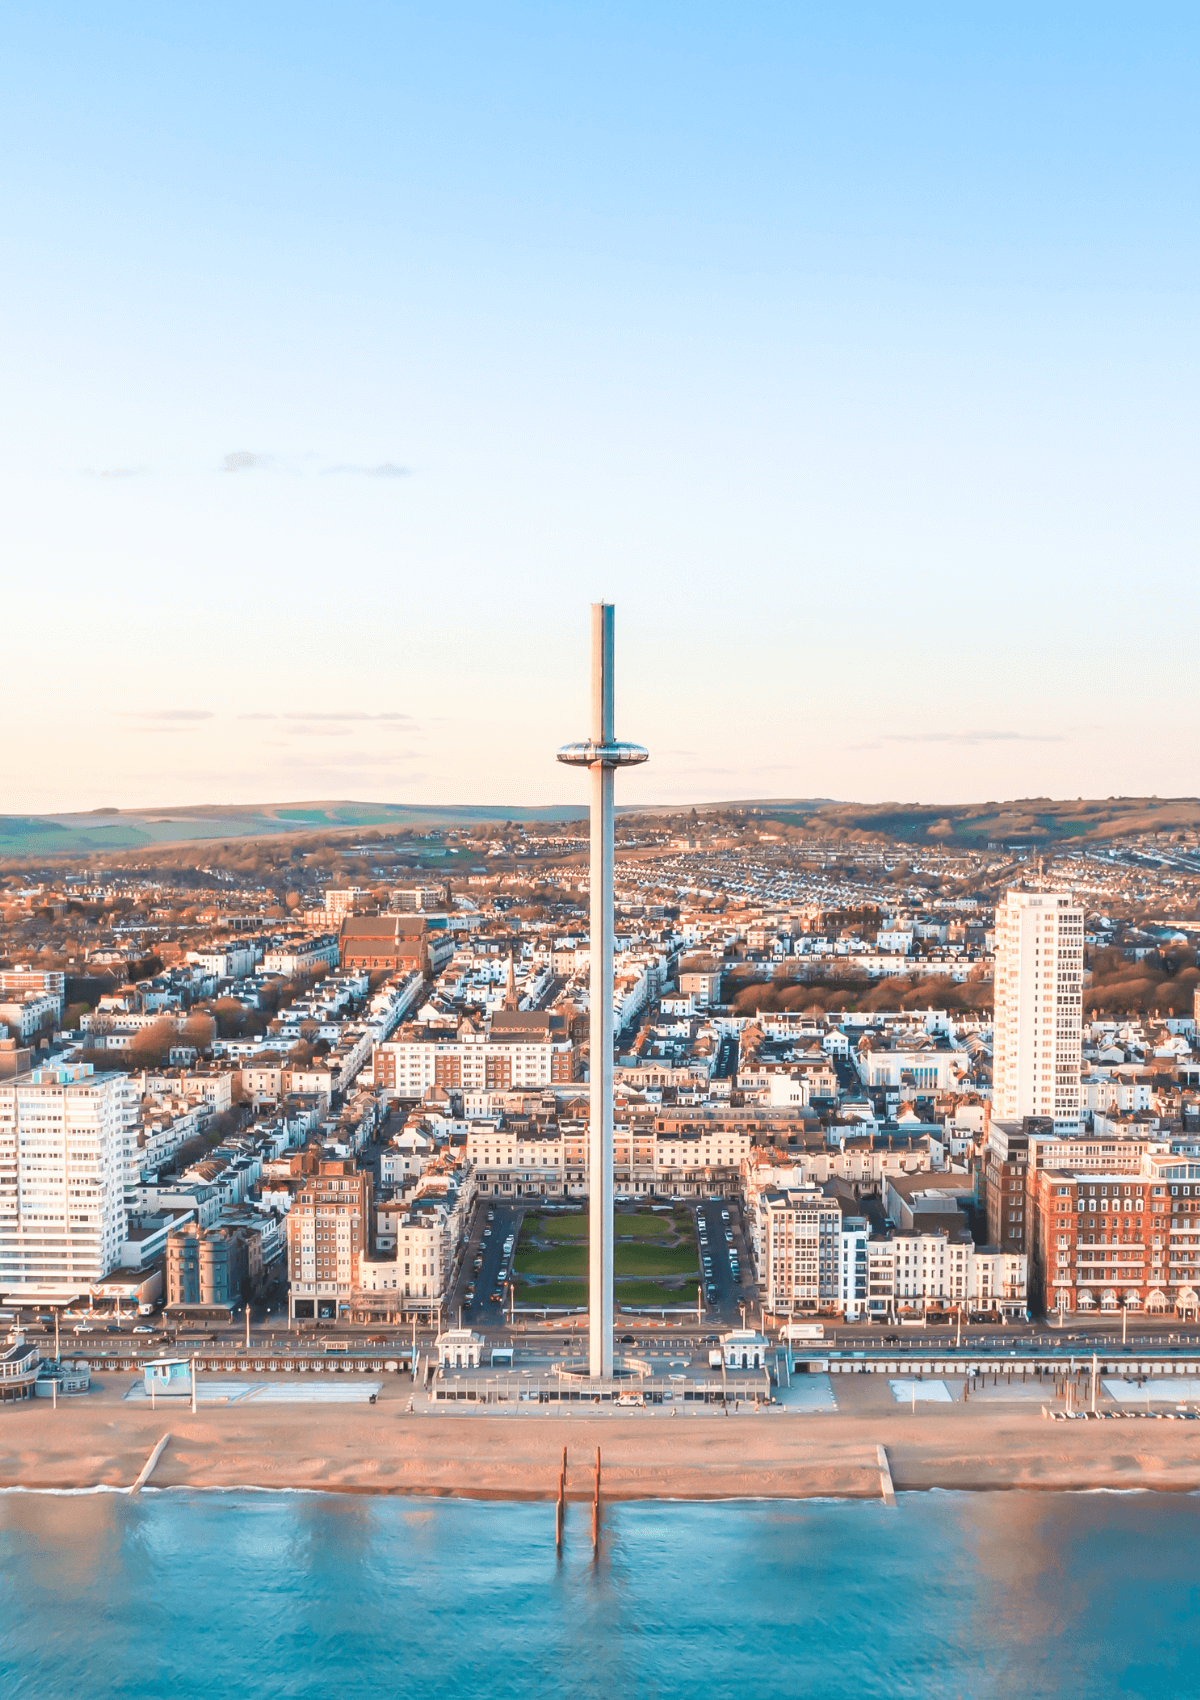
x=850, y=350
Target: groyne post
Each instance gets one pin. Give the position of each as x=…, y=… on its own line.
x=147, y=1469
x=560, y=1504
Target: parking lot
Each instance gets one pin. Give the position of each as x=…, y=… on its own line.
x=724, y=1260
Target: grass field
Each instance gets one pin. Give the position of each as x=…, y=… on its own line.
x=653, y=1293
x=644, y=1225
x=554, y=1260
x=633, y=1259
x=556, y=1227
x=553, y=1293
x=641, y=1225
x=629, y=1258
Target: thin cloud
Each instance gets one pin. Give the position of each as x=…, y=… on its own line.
x=349, y=714
x=167, y=714
x=384, y=469
x=119, y=472
x=973, y=738
x=241, y=460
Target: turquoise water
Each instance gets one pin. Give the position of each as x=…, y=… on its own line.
x=183, y=1594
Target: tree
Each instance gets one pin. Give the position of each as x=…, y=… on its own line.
x=152, y=1046
x=222, y=1126
x=199, y=1031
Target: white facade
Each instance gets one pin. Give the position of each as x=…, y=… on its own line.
x=25, y=1013
x=796, y=1236
x=1039, y=1004
x=66, y=1143
x=854, y=1240
x=911, y=1271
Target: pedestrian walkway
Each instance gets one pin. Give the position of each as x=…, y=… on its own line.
x=216, y=1390
x=908, y=1387
x=807, y=1393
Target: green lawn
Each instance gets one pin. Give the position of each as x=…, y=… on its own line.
x=557, y=1227
x=553, y=1293
x=644, y=1225
x=654, y=1293
x=634, y=1259
x=639, y=1225
x=553, y=1260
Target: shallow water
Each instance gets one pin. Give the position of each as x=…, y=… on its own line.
x=185, y=1593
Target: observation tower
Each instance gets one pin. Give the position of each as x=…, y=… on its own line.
x=601, y=755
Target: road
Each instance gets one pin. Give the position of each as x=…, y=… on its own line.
x=487, y=1241
x=651, y=1334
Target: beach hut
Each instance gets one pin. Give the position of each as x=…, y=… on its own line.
x=166, y=1376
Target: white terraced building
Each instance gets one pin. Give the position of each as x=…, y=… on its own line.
x=67, y=1140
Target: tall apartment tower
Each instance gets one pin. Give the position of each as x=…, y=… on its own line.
x=1039, y=1008
x=66, y=1141
x=329, y=1233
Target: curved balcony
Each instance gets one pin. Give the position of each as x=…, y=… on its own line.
x=589, y=754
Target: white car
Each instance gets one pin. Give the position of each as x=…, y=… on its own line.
x=83, y=1328
x=143, y=1331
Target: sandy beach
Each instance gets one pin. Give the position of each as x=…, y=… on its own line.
x=105, y=1440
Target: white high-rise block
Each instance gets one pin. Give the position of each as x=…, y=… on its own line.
x=66, y=1141
x=1039, y=1007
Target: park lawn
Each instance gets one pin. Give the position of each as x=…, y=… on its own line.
x=644, y=1225
x=634, y=1259
x=554, y=1227
x=654, y=1293
x=553, y=1293
x=634, y=1225
x=552, y=1260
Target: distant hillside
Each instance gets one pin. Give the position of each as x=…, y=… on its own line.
x=128, y=829
x=1029, y=820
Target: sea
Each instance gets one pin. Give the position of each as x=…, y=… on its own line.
x=182, y=1593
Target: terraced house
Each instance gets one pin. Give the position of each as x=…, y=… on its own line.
x=513, y=1050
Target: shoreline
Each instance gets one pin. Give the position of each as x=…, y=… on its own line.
x=500, y=1496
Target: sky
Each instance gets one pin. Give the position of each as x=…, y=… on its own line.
x=350, y=351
